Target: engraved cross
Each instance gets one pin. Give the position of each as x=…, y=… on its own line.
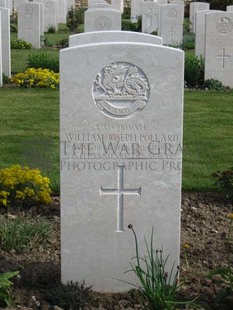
x=120, y=191
x=223, y=57
x=171, y=33
x=29, y=30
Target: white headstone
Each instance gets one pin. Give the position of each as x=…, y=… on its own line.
x=200, y=33
x=98, y=4
x=17, y=3
x=50, y=14
x=150, y=11
x=118, y=5
x=29, y=23
x=3, y=3
x=136, y=10
x=229, y=8
x=62, y=11
x=0, y=52
x=102, y=19
x=219, y=47
x=171, y=24
x=194, y=7
x=112, y=36
x=6, y=47
x=121, y=137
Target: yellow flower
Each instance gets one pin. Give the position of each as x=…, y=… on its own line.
x=186, y=246
x=230, y=216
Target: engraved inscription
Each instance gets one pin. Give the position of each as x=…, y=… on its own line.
x=103, y=23
x=29, y=30
x=172, y=14
x=28, y=11
x=224, y=25
x=120, y=191
x=202, y=7
x=120, y=90
x=223, y=56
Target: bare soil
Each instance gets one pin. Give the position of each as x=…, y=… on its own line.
x=204, y=248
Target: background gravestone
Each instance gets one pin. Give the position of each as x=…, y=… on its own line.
x=171, y=24
x=112, y=36
x=29, y=23
x=219, y=47
x=6, y=47
x=136, y=10
x=102, y=19
x=118, y=5
x=150, y=11
x=194, y=7
x=121, y=109
x=229, y=8
x=3, y=3
x=200, y=33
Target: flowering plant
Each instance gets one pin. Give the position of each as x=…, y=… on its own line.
x=39, y=78
x=20, y=45
x=23, y=186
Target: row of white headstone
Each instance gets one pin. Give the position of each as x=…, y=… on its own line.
x=213, y=41
x=166, y=19
x=5, y=51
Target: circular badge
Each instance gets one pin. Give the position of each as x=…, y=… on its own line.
x=120, y=90
x=224, y=25
x=48, y=5
x=172, y=14
x=28, y=11
x=103, y=23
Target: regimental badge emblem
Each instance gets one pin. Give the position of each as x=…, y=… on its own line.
x=28, y=11
x=121, y=90
x=224, y=25
x=172, y=14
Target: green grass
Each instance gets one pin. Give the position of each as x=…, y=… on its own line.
x=19, y=58
x=30, y=121
x=29, y=114
x=208, y=139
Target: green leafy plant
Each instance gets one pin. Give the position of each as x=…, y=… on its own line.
x=194, y=70
x=225, y=273
x=23, y=232
x=69, y=296
x=213, y=84
x=5, y=284
x=43, y=61
x=158, y=285
x=51, y=29
x=128, y=26
x=20, y=45
x=23, y=187
x=63, y=43
x=224, y=181
x=188, y=42
x=75, y=17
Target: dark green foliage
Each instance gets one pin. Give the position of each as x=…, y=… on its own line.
x=127, y=13
x=5, y=79
x=194, y=70
x=63, y=43
x=13, y=28
x=188, y=42
x=224, y=181
x=128, y=26
x=69, y=296
x=43, y=61
x=219, y=4
x=75, y=17
x=213, y=84
x=51, y=29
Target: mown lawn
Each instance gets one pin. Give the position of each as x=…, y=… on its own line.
x=30, y=117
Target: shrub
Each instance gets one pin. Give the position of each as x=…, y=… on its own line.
x=224, y=181
x=51, y=29
x=188, y=42
x=194, y=70
x=43, y=61
x=13, y=28
x=5, y=291
x=75, y=17
x=38, y=78
x=213, y=84
x=128, y=26
x=20, y=186
x=20, y=45
x=69, y=296
x=63, y=43
x=23, y=233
